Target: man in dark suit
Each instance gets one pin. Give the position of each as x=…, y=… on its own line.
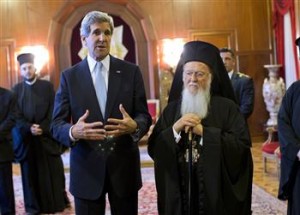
x=7, y=113
x=242, y=84
x=104, y=138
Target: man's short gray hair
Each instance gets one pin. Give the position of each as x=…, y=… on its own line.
x=92, y=18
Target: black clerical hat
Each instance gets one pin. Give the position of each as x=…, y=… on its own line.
x=200, y=51
x=25, y=58
x=210, y=55
x=298, y=43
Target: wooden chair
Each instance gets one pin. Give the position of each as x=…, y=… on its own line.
x=153, y=108
x=278, y=160
x=269, y=147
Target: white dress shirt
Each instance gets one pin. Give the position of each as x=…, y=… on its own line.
x=105, y=68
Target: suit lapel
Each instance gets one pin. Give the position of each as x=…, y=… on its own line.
x=114, y=84
x=233, y=78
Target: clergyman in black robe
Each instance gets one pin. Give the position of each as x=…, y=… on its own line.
x=41, y=164
x=222, y=163
x=7, y=121
x=289, y=140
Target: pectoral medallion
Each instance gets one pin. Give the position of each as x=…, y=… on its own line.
x=195, y=153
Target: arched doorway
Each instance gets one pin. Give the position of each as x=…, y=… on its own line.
x=70, y=15
x=127, y=41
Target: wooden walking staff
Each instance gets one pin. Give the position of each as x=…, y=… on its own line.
x=190, y=166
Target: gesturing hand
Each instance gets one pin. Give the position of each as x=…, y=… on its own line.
x=88, y=131
x=119, y=127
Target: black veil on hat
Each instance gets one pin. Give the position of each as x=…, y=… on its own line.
x=210, y=55
x=25, y=58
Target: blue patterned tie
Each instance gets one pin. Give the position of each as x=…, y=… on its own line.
x=100, y=87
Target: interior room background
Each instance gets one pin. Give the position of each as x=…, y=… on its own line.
x=243, y=25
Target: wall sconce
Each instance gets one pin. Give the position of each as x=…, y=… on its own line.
x=41, y=55
x=170, y=52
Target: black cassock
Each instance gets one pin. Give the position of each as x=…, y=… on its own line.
x=41, y=165
x=7, y=112
x=222, y=182
x=289, y=139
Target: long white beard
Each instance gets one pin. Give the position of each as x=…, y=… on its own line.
x=197, y=104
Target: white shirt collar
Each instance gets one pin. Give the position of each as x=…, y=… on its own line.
x=92, y=63
x=31, y=82
x=104, y=70
x=230, y=74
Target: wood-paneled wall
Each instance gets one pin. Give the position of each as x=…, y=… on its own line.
x=242, y=25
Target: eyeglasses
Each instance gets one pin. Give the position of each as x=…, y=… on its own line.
x=198, y=74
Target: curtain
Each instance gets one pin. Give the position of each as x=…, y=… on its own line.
x=282, y=10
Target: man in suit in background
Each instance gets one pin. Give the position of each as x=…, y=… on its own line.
x=242, y=84
x=105, y=99
x=7, y=121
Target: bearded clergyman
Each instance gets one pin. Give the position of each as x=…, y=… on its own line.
x=217, y=178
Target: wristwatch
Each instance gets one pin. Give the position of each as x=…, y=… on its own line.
x=137, y=129
x=135, y=134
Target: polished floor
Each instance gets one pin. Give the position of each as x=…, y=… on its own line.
x=267, y=181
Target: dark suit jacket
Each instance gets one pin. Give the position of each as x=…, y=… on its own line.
x=90, y=161
x=244, y=92
x=7, y=121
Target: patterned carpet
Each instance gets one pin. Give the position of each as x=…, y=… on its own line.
x=262, y=202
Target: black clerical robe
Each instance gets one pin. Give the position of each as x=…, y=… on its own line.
x=225, y=168
x=42, y=167
x=289, y=139
x=7, y=121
